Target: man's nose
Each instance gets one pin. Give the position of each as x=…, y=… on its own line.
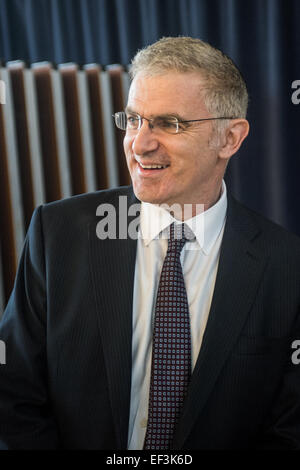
x=145, y=139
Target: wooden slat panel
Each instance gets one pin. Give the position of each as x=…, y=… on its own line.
x=116, y=76
x=57, y=138
x=71, y=100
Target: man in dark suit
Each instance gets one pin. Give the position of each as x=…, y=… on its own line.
x=78, y=327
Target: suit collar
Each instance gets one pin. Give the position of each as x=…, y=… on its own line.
x=206, y=226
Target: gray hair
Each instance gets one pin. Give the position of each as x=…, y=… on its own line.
x=225, y=91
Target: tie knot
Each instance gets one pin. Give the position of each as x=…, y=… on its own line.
x=178, y=235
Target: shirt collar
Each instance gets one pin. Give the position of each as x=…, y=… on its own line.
x=206, y=225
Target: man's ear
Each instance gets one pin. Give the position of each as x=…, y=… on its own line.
x=235, y=133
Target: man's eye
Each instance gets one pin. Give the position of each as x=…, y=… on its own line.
x=132, y=121
x=166, y=124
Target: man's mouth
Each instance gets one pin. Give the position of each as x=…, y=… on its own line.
x=153, y=166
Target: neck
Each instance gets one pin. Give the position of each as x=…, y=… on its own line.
x=188, y=210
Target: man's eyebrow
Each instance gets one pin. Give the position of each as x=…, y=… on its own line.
x=163, y=116
x=171, y=116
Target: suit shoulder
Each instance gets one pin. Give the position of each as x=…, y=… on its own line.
x=269, y=233
x=87, y=202
x=77, y=211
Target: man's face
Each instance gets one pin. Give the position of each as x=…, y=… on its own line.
x=191, y=164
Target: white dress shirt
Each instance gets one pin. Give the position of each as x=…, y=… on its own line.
x=199, y=260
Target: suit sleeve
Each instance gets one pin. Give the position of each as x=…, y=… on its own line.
x=26, y=421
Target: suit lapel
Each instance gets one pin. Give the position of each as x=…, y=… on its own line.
x=112, y=264
x=239, y=274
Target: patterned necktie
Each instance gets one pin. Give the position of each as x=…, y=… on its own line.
x=171, y=350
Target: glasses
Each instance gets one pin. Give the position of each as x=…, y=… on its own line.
x=169, y=125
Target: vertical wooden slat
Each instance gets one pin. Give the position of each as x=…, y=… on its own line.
x=61, y=134
x=16, y=70
x=2, y=294
x=109, y=130
x=126, y=85
x=42, y=79
x=94, y=86
x=38, y=177
x=8, y=253
x=116, y=76
x=12, y=162
x=71, y=100
x=86, y=132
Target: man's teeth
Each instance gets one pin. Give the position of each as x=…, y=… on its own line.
x=153, y=166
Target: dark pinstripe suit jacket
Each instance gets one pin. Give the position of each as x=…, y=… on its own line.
x=68, y=329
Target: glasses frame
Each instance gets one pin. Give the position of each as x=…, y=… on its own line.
x=176, y=121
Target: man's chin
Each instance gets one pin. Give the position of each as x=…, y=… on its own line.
x=147, y=196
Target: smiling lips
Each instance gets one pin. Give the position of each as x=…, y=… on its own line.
x=154, y=166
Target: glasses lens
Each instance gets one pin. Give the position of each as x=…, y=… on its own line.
x=121, y=120
x=169, y=125
x=133, y=121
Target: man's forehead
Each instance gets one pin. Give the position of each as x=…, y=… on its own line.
x=171, y=90
x=168, y=81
